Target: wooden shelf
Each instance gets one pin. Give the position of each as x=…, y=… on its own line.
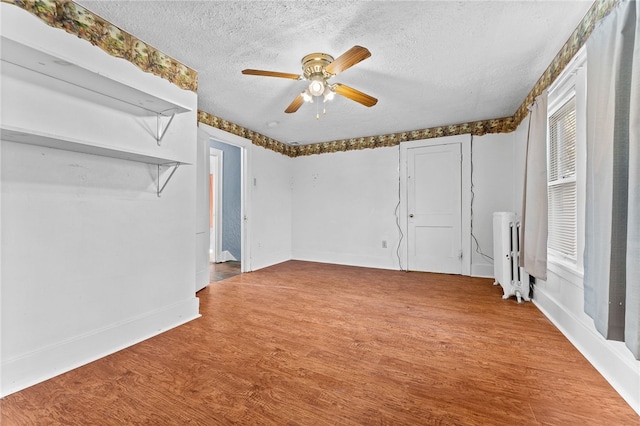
x=13, y=134
x=61, y=69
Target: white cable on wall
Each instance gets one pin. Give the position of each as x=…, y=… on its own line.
x=473, y=195
x=398, y=216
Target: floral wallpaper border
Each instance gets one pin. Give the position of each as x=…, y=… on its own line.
x=500, y=125
x=255, y=137
x=77, y=20
x=598, y=10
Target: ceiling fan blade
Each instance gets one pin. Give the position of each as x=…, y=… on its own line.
x=295, y=105
x=354, y=95
x=348, y=59
x=272, y=74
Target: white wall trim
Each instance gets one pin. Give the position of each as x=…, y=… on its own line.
x=216, y=164
x=355, y=261
x=245, y=145
x=567, y=272
x=203, y=233
x=348, y=259
x=272, y=258
x=45, y=363
x=617, y=366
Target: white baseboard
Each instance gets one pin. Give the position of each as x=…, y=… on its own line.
x=483, y=270
x=35, y=367
x=383, y=261
x=263, y=260
x=612, y=360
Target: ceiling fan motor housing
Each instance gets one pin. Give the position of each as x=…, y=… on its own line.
x=314, y=64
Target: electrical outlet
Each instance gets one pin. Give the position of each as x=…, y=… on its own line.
x=384, y=243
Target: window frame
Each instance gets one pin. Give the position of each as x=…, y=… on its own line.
x=572, y=83
x=566, y=96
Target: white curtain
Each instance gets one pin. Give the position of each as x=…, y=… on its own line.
x=534, y=223
x=612, y=229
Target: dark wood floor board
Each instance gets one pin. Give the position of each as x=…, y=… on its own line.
x=303, y=343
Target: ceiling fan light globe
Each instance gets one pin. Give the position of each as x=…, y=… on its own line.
x=328, y=94
x=316, y=88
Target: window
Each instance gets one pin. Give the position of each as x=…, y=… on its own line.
x=566, y=159
x=563, y=215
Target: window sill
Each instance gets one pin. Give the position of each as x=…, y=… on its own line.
x=565, y=269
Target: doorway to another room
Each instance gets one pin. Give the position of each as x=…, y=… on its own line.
x=225, y=210
x=435, y=204
x=222, y=271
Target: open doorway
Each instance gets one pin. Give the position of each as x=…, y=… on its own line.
x=225, y=209
x=228, y=154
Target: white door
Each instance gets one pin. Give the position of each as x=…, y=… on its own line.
x=434, y=207
x=202, y=218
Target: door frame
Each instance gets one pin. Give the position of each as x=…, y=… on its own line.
x=245, y=197
x=216, y=158
x=465, y=226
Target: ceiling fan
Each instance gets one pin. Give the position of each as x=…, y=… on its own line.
x=318, y=68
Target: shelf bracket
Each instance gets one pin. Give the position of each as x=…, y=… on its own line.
x=160, y=131
x=161, y=187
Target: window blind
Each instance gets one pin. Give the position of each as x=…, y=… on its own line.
x=562, y=180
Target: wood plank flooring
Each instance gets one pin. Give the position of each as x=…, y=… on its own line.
x=313, y=344
x=224, y=270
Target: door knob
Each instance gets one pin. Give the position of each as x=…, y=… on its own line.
x=410, y=214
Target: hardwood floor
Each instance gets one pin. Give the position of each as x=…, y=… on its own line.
x=224, y=270
x=314, y=344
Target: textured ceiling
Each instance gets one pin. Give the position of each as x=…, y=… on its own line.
x=433, y=62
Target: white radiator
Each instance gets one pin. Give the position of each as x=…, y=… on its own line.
x=506, y=255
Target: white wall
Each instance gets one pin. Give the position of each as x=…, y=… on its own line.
x=343, y=207
x=92, y=260
x=344, y=203
x=493, y=188
x=271, y=181
x=561, y=299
